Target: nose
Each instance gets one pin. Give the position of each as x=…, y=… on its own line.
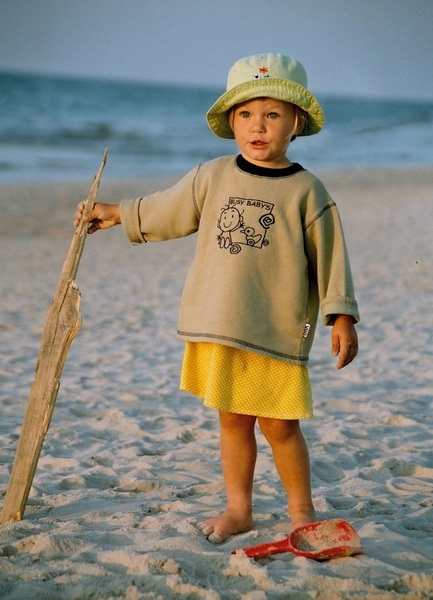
x=258, y=124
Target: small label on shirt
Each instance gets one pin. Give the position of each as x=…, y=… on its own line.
x=306, y=329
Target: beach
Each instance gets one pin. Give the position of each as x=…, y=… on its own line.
x=129, y=462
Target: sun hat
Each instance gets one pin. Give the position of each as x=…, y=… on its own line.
x=265, y=75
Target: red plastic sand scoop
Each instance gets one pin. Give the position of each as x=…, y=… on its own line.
x=321, y=540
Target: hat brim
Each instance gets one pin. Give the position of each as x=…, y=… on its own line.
x=279, y=89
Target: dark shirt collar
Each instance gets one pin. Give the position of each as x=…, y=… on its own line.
x=247, y=167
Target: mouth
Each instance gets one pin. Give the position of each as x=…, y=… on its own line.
x=258, y=144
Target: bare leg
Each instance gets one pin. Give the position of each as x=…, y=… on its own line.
x=292, y=461
x=238, y=458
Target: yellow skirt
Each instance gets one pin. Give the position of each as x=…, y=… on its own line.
x=246, y=383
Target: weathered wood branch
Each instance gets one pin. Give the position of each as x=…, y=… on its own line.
x=62, y=325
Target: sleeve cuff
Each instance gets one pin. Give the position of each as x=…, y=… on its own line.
x=130, y=218
x=343, y=306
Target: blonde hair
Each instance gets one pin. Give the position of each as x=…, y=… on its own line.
x=301, y=120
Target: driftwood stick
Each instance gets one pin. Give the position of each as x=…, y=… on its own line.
x=62, y=325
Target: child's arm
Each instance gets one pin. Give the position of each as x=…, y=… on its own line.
x=102, y=216
x=344, y=340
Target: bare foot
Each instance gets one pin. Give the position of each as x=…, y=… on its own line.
x=220, y=528
x=301, y=517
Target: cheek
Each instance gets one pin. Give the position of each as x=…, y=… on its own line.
x=239, y=135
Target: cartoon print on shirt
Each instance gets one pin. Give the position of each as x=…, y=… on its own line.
x=244, y=221
x=230, y=220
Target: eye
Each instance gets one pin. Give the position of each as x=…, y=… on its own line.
x=244, y=114
x=273, y=115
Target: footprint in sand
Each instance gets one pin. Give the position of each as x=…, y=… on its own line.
x=327, y=471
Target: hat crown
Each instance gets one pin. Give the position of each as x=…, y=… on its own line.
x=266, y=66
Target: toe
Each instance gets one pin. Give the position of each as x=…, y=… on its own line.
x=205, y=529
x=215, y=538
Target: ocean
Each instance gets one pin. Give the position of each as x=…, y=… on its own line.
x=56, y=128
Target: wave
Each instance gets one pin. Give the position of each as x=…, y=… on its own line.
x=47, y=122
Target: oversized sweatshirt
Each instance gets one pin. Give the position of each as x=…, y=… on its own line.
x=270, y=254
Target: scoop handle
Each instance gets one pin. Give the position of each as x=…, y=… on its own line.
x=267, y=549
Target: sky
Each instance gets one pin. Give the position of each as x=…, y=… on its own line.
x=373, y=48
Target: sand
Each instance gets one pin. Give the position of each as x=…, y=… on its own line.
x=129, y=462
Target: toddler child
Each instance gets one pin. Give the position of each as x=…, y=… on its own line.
x=270, y=254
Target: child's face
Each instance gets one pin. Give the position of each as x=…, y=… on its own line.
x=263, y=128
